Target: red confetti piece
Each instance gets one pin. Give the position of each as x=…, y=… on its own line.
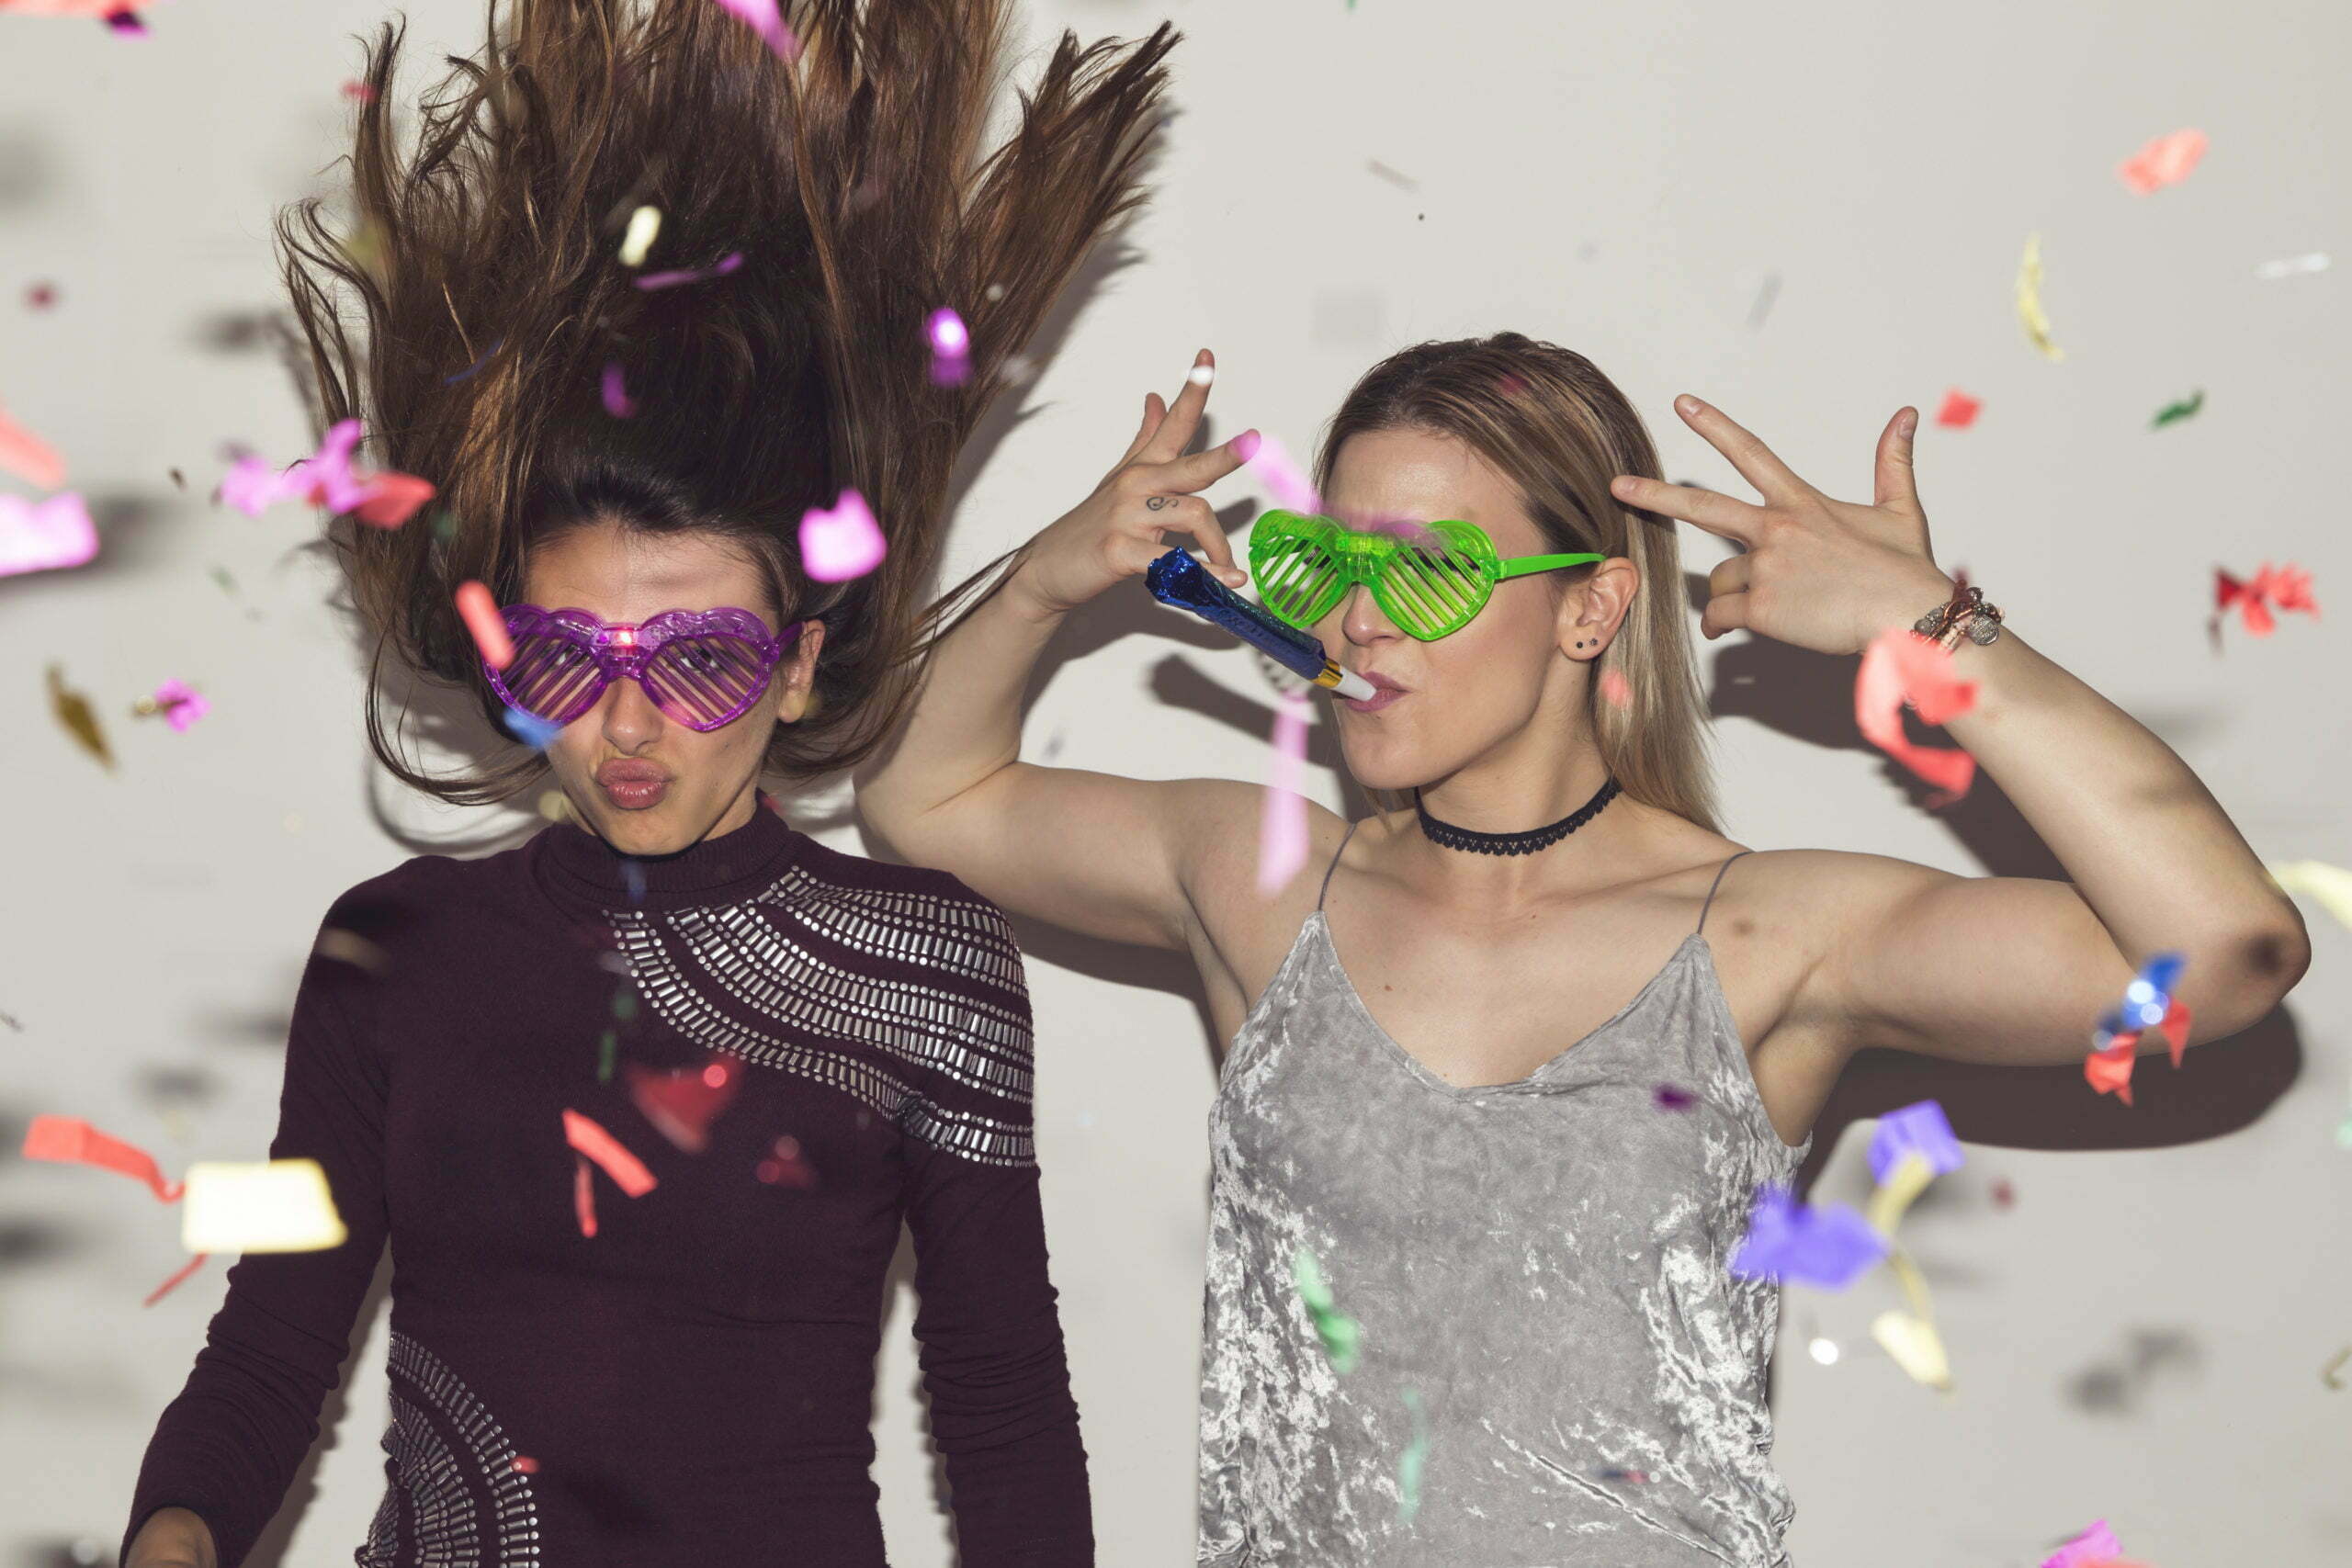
x=2165, y=161
x=583, y=1196
x=1959, y=411
x=480, y=608
x=40, y=296
x=626, y=1170
x=525, y=1465
x=682, y=1104
x=2003, y=1195
x=2108, y=1070
x=2285, y=588
x=1901, y=666
x=359, y=90
x=28, y=456
x=179, y=1276
x=75, y=1142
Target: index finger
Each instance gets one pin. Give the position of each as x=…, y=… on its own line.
x=1774, y=480
x=1727, y=515
x=1176, y=431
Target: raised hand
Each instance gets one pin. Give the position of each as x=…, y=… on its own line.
x=1119, y=529
x=1813, y=572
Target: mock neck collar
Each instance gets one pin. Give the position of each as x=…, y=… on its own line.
x=579, y=868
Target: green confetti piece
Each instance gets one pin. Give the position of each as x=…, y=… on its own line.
x=624, y=1004
x=221, y=575
x=445, y=524
x=1409, y=1464
x=605, y=1049
x=1340, y=1332
x=2180, y=411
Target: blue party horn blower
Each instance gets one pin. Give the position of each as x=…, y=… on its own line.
x=1177, y=579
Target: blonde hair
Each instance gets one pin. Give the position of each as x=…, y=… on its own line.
x=1559, y=430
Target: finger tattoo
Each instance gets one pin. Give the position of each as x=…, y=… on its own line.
x=1156, y=503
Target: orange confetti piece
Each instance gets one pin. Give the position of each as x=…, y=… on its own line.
x=583, y=1196
x=1900, y=666
x=1959, y=410
x=72, y=1140
x=2166, y=160
x=480, y=608
x=393, y=499
x=28, y=456
x=626, y=1170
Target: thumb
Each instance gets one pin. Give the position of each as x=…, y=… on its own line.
x=1898, y=485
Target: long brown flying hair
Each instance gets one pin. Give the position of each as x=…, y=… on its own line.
x=855, y=185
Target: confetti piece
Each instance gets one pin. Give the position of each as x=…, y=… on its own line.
x=2336, y=1364
x=1921, y=1128
x=841, y=542
x=2166, y=160
x=762, y=17
x=951, y=348
x=1292, y=489
x=725, y=264
x=583, y=1197
x=350, y=947
x=1281, y=827
x=2030, y=313
x=487, y=354
x=2286, y=588
x=682, y=1104
x=2329, y=886
x=617, y=402
x=1959, y=410
x=1824, y=1351
x=28, y=456
x=1615, y=690
x=2005, y=1195
x=1900, y=666
x=41, y=295
x=72, y=1140
x=1613, y=1472
x=529, y=728
x=785, y=1166
x=326, y=477
x=2173, y=414
x=626, y=1170
x=45, y=535
x=644, y=224
x=1906, y=1180
x=73, y=710
x=178, y=1278
x=1669, y=1098
x=480, y=609
x=1341, y=1334
x=2148, y=1003
x=1830, y=1247
x=2288, y=266
x=1916, y=1346
x=359, y=91
x=609, y=1045
x=177, y=703
x=126, y=24
x=1403, y=181
x=279, y=1205
x=525, y=1465
x=1410, y=1462
x=2095, y=1545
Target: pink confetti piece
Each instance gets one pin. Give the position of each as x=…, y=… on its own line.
x=126, y=24
x=1615, y=690
x=28, y=456
x=72, y=1140
x=389, y=499
x=359, y=91
x=2166, y=160
x=1900, y=666
x=587, y=1137
x=326, y=477
x=179, y=1277
x=479, y=607
x=842, y=541
x=2285, y=588
x=617, y=402
x=764, y=18
x=45, y=535
x=682, y=1104
x=1293, y=491
x=2096, y=1544
x=1281, y=831
x=951, y=348
x=1959, y=410
x=583, y=1197
x=725, y=264
x=40, y=296
x=181, y=704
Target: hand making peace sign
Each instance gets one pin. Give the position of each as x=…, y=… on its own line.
x=1817, y=573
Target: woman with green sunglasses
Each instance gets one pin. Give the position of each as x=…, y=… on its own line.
x=1499, y=1101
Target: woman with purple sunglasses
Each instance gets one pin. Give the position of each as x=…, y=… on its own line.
x=641, y=1105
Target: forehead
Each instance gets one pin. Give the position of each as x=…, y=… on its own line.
x=1382, y=478
x=623, y=575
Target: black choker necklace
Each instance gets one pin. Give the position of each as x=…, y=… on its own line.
x=1526, y=843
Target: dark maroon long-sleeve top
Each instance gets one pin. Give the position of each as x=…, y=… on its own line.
x=692, y=1384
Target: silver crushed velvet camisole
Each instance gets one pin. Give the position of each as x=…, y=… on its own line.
x=1555, y=1363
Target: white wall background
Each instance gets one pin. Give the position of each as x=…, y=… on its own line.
x=2139, y=1336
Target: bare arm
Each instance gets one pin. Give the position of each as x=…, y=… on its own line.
x=171, y=1537
x=1991, y=969
x=1087, y=851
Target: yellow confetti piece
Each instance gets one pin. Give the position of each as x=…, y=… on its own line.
x=1915, y=1346
x=644, y=224
x=2329, y=887
x=73, y=710
x=1914, y=1283
x=280, y=1205
x=555, y=806
x=2030, y=313
x=1888, y=1204
x=2336, y=1364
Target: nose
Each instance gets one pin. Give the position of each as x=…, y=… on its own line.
x=1361, y=620
x=630, y=717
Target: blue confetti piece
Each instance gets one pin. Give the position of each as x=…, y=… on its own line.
x=531, y=731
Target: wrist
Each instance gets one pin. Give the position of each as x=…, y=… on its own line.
x=1022, y=597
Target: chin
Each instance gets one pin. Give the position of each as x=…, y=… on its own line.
x=656, y=830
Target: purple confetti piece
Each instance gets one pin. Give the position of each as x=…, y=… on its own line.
x=951, y=348
x=1788, y=1240
x=1921, y=1129
x=652, y=280
x=617, y=402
